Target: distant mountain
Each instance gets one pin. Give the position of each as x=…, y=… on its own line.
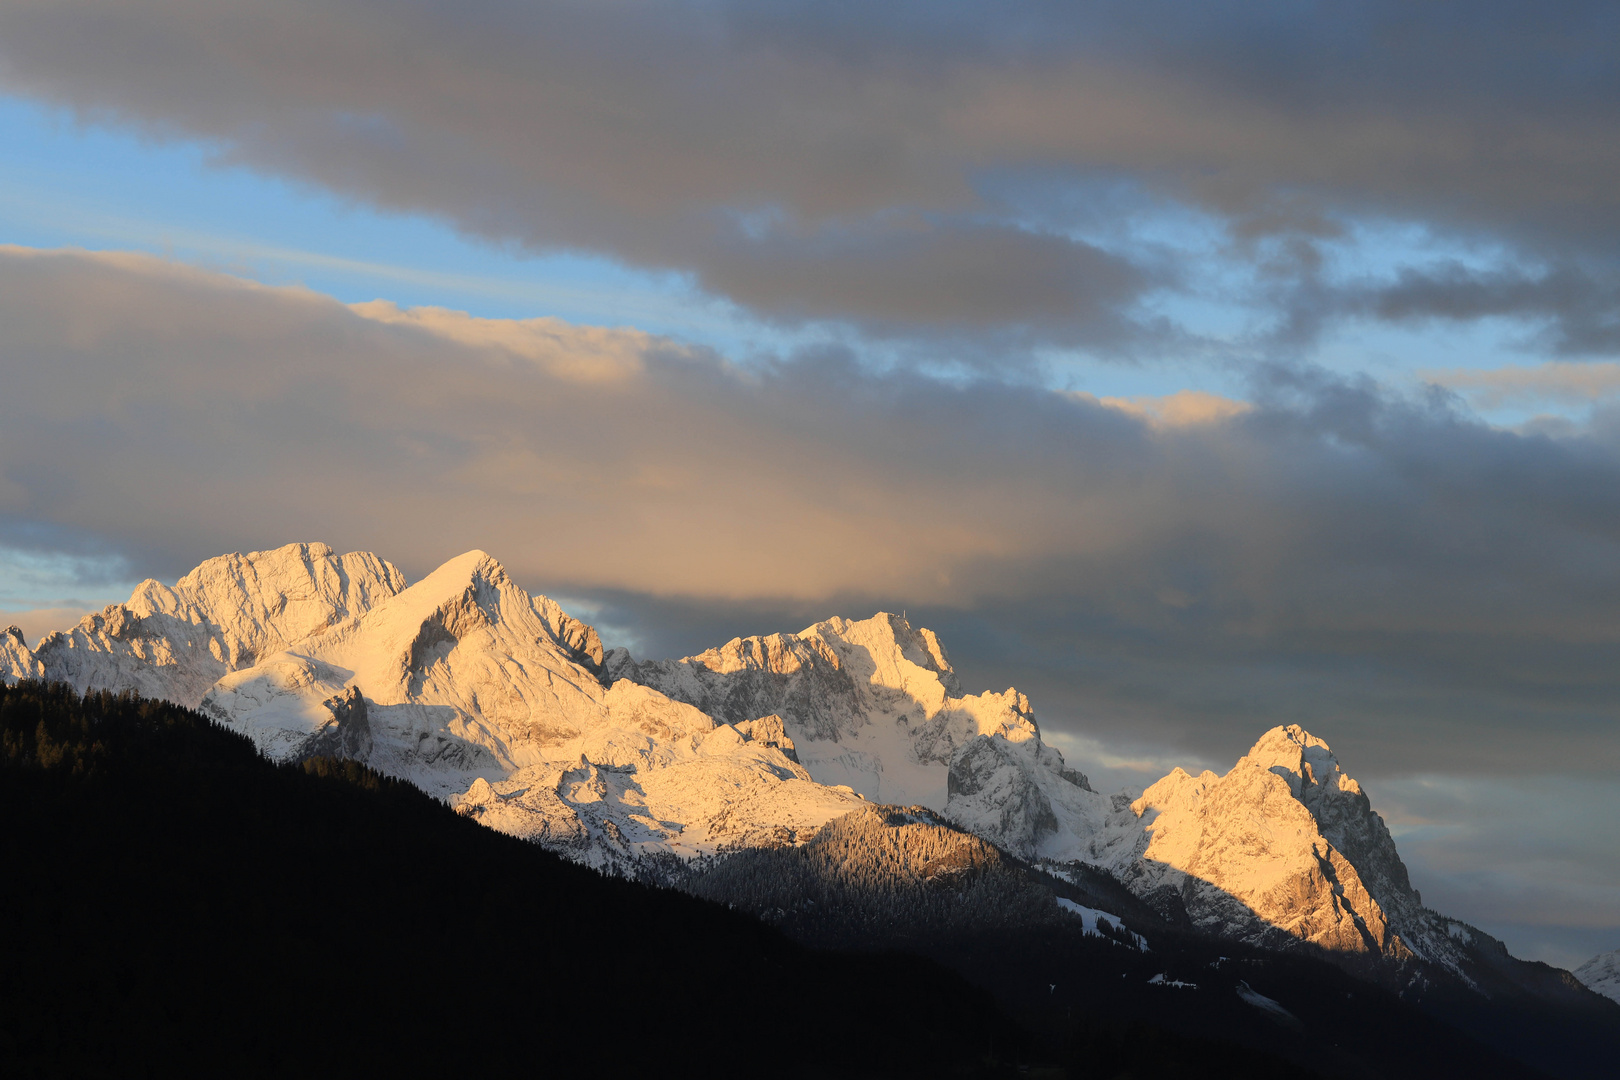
x=1602, y=974
x=876, y=706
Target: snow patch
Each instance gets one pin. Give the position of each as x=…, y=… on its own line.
x=1093, y=922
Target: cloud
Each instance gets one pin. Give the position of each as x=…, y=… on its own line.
x=893, y=168
x=1529, y=858
x=1169, y=577
x=1557, y=381
x=1179, y=409
x=570, y=353
x=1579, y=312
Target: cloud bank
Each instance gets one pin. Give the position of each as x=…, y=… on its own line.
x=992, y=177
x=1431, y=591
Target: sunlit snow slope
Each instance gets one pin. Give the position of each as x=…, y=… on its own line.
x=505, y=706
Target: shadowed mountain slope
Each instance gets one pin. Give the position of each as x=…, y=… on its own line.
x=176, y=904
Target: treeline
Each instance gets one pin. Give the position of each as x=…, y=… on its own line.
x=879, y=876
x=172, y=903
x=887, y=877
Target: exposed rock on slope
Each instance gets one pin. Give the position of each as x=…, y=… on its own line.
x=1602, y=974
x=462, y=683
x=1250, y=850
x=17, y=661
x=176, y=642
x=1284, y=850
x=875, y=705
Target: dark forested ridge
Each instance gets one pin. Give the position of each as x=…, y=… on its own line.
x=902, y=877
x=172, y=902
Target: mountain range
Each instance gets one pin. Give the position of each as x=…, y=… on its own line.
x=508, y=709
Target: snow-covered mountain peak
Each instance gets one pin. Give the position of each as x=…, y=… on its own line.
x=1284, y=845
x=875, y=706
x=1602, y=974
x=175, y=642
x=872, y=703
x=503, y=704
x=1302, y=760
x=266, y=599
x=896, y=654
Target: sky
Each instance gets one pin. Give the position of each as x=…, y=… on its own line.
x=1195, y=368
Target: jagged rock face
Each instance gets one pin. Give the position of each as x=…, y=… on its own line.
x=1601, y=974
x=1283, y=850
x=991, y=785
x=875, y=706
x=176, y=642
x=768, y=731
x=17, y=661
x=826, y=681
x=347, y=735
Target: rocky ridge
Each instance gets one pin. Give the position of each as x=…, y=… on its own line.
x=506, y=707
x=462, y=684
x=876, y=706
x=1283, y=850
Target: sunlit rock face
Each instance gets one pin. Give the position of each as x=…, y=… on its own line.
x=1602, y=974
x=175, y=642
x=463, y=684
x=1283, y=851
x=875, y=706
x=1253, y=853
x=17, y=661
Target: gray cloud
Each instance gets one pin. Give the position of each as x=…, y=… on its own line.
x=860, y=163
x=1579, y=310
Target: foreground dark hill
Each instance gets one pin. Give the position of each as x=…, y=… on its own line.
x=173, y=903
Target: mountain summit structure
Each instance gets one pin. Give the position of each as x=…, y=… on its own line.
x=508, y=708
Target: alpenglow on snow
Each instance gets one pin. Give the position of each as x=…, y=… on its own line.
x=507, y=707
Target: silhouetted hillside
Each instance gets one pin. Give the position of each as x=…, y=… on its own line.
x=901, y=877
x=174, y=903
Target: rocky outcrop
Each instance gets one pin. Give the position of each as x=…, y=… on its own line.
x=1246, y=858
x=769, y=731
x=1284, y=851
x=875, y=705
x=17, y=661
x=346, y=735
